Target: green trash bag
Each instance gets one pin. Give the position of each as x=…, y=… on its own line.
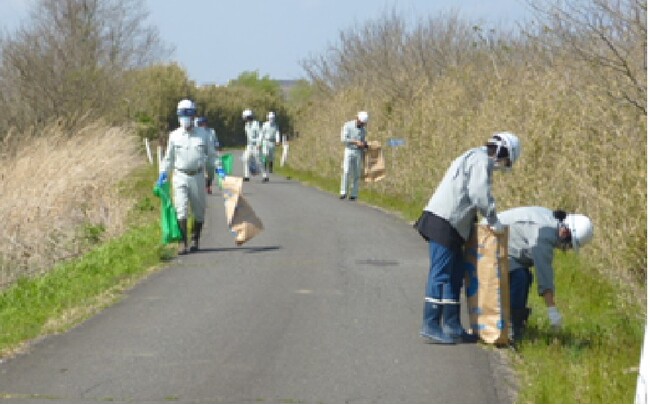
x=171, y=232
x=226, y=163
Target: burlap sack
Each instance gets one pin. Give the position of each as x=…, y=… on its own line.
x=240, y=217
x=487, y=284
x=374, y=167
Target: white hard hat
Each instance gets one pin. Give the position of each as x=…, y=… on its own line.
x=186, y=108
x=362, y=116
x=247, y=113
x=271, y=114
x=186, y=104
x=582, y=230
x=509, y=141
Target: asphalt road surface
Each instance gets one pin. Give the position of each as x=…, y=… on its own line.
x=324, y=306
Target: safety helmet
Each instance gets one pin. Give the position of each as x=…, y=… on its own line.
x=506, y=142
x=247, y=113
x=201, y=120
x=582, y=230
x=186, y=108
x=362, y=116
x=270, y=115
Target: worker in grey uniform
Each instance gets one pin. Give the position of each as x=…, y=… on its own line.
x=270, y=135
x=202, y=122
x=353, y=135
x=189, y=153
x=534, y=234
x=253, y=142
x=446, y=223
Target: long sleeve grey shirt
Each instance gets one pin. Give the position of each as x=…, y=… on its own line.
x=533, y=236
x=465, y=189
x=252, y=130
x=189, y=150
x=350, y=133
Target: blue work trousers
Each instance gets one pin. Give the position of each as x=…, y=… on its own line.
x=445, y=275
x=520, y=281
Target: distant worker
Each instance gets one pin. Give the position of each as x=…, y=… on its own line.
x=446, y=223
x=189, y=153
x=202, y=122
x=353, y=135
x=533, y=235
x=251, y=156
x=270, y=138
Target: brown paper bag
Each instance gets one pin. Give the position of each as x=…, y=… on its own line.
x=244, y=223
x=240, y=217
x=486, y=284
x=374, y=168
x=232, y=184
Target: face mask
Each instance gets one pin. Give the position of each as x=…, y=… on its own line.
x=185, y=122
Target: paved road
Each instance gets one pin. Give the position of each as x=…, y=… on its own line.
x=324, y=306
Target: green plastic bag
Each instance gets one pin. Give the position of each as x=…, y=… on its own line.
x=171, y=232
x=226, y=163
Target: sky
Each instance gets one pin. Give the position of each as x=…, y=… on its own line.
x=216, y=40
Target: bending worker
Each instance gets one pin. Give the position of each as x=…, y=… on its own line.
x=189, y=153
x=446, y=223
x=534, y=234
x=353, y=135
x=270, y=137
x=252, y=152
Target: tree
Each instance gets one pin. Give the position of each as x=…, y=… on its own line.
x=253, y=81
x=154, y=94
x=609, y=35
x=70, y=59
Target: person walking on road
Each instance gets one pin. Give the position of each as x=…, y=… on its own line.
x=353, y=135
x=189, y=153
x=202, y=122
x=534, y=233
x=270, y=138
x=446, y=223
x=252, y=153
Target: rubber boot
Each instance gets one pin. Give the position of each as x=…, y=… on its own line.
x=451, y=325
x=519, y=320
x=431, y=329
x=451, y=321
x=196, y=235
x=182, y=224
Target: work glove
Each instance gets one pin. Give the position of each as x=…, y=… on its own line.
x=220, y=172
x=161, y=179
x=554, y=317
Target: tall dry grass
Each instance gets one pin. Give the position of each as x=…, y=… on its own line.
x=58, y=194
x=582, y=151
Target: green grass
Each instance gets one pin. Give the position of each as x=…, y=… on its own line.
x=77, y=289
x=592, y=359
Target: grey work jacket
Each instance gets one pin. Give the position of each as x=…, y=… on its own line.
x=270, y=134
x=533, y=236
x=465, y=190
x=189, y=151
x=252, y=130
x=350, y=133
